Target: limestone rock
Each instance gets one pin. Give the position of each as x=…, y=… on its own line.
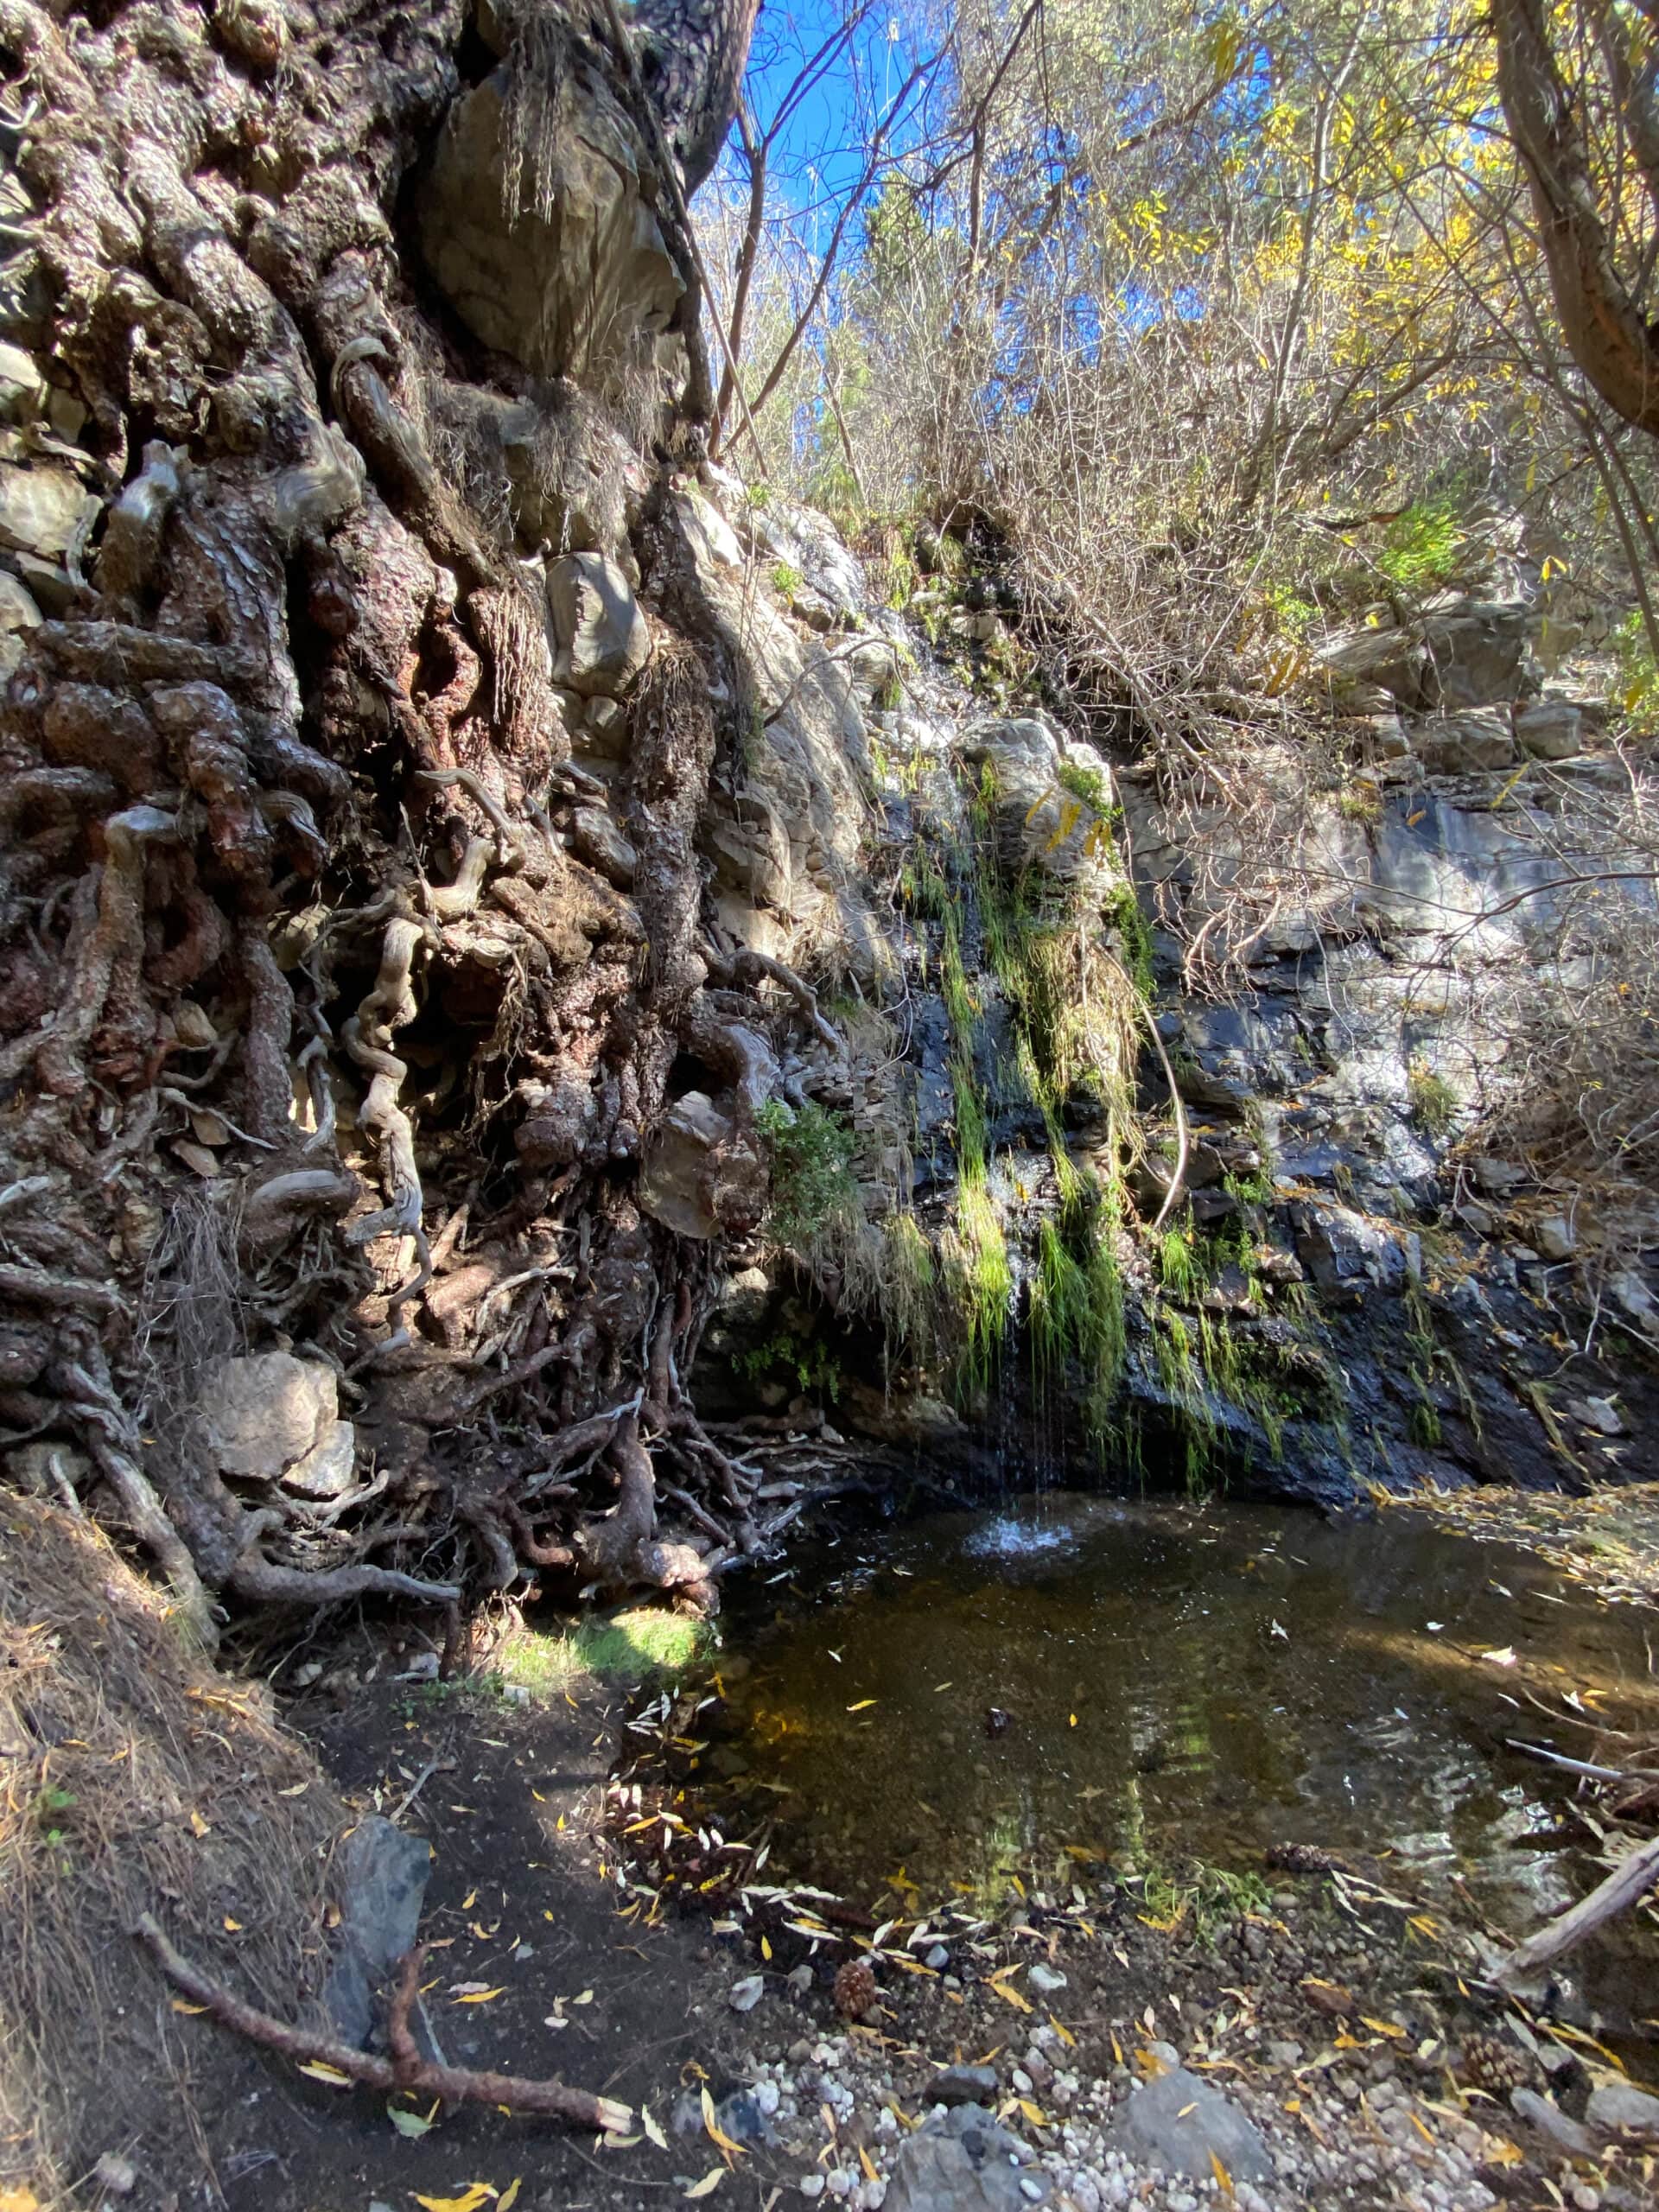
x=677, y=1184
x=18, y=616
x=1049, y=800
x=1392, y=660
x=603, y=639
x=799, y=539
x=1461, y=744
x=1550, y=731
x=1480, y=655
x=41, y=510
x=575, y=284
x=25, y=393
x=382, y=1886
x=965, y=2162
x=325, y=1472
x=1181, y=2124
x=264, y=1412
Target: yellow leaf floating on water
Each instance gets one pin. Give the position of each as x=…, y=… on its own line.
x=331, y=2075
x=475, y=2193
x=482, y=1996
x=179, y=2006
x=863, y=1704
x=1224, y=2179
x=710, y=2181
x=509, y=2196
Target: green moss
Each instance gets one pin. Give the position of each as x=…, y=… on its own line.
x=1090, y=785
x=787, y=581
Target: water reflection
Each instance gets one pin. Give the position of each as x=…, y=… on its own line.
x=1114, y=1680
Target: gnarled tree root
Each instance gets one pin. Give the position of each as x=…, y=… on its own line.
x=404, y=2070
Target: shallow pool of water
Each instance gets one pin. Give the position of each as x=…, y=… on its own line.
x=978, y=1693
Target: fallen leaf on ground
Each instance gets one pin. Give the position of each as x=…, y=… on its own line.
x=710, y=2181
x=475, y=2193
x=331, y=2075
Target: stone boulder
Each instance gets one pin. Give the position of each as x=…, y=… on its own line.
x=271, y=1417
x=1552, y=730
x=1480, y=655
x=18, y=616
x=601, y=636
x=700, y=1176
x=574, y=278
x=1051, y=801
x=793, y=537
x=43, y=510
x=965, y=2162
x=1463, y=744
x=1360, y=662
x=1180, y=2124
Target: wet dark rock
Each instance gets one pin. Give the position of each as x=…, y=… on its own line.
x=382, y=1886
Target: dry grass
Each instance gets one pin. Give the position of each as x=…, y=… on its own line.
x=131, y=1779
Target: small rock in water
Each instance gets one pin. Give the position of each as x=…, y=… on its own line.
x=118, y=2176
x=964, y=2085
x=1030, y=2189
x=799, y=1977
x=938, y=1958
x=1182, y=2125
x=745, y=1995
x=811, y=2184
x=1047, y=1979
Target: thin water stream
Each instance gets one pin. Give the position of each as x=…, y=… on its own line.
x=977, y=1693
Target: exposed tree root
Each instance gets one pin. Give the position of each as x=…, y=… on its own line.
x=302, y=944
x=405, y=2070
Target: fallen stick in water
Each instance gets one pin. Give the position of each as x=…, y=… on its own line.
x=405, y=2069
x=1629, y=1881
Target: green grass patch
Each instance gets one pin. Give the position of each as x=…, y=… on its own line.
x=626, y=1647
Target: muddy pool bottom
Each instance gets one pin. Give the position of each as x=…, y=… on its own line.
x=1076, y=1679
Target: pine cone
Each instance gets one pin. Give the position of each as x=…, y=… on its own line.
x=1496, y=2066
x=855, y=1989
x=1301, y=1859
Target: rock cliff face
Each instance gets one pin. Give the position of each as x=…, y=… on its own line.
x=509, y=952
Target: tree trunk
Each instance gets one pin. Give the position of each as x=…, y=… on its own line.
x=340, y=1001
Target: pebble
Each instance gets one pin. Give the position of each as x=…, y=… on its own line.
x=811, y=2184
x=938, y=1958
x=745, y=1995
x=1030, y=2189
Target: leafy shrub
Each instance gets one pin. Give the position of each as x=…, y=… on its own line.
x=787, y=580
x=811, y=1160
x=1433, y=1102
x=1421, y=547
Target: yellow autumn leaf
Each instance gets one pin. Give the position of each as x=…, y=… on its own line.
x=653, y=2129
x=19, y=2200
x=331, y=2075
x=509, y=2196
x=716, y=2135
x=475, y=2193
x=232, y=1927
x=710, y=2181
x=864, y=1703
x=179, y=2006
x=869, y=2164
x=198, y=1826
x=479, y=1996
